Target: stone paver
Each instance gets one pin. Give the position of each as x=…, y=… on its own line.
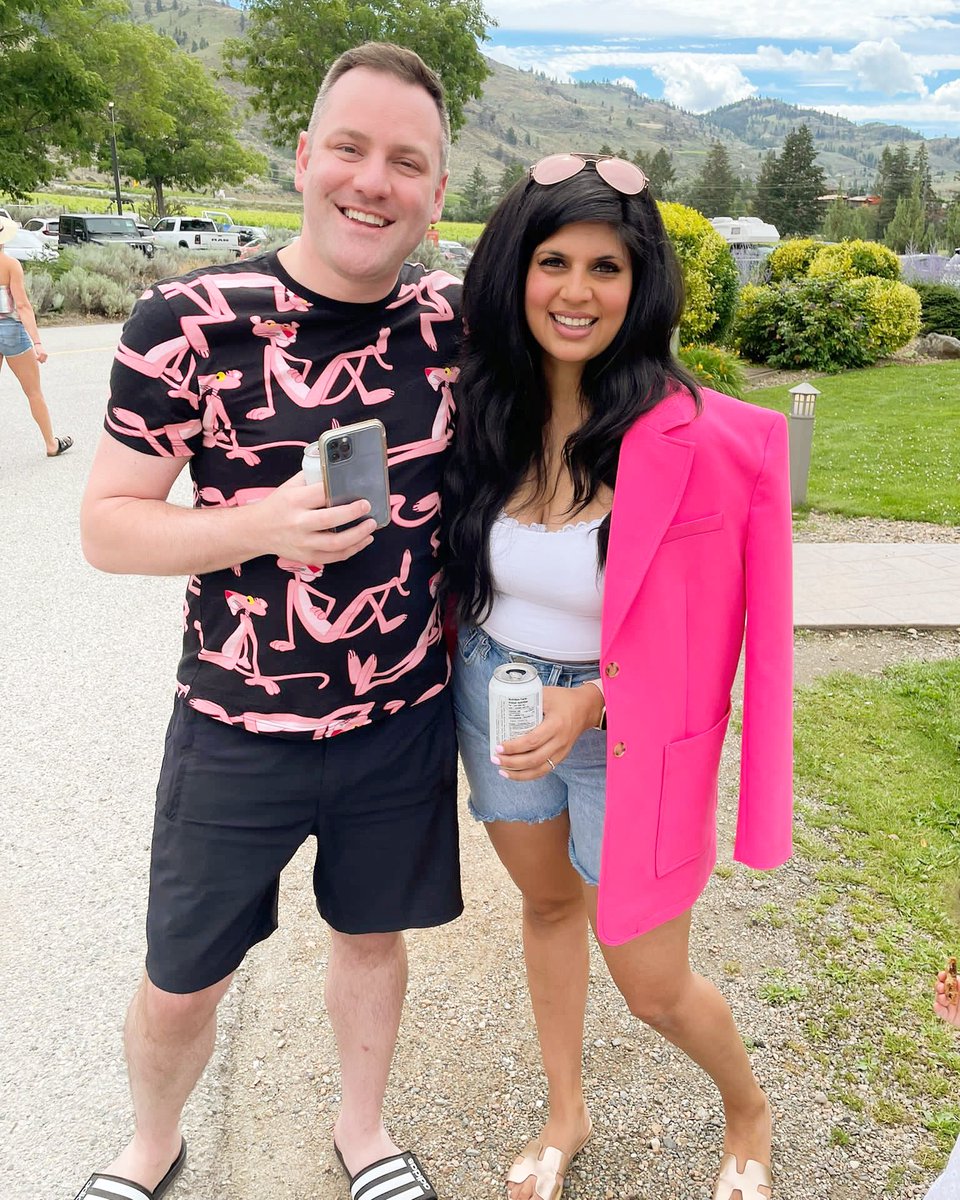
x=881, y=584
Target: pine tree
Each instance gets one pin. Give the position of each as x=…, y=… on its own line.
x=476, y=196
x=908, y=231
x=789, y=185
x=512, y=173
x=841, y=223
x=714, y=189
x=662, y=174
x=894, y=181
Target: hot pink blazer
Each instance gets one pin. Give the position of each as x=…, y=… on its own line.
x=700, y=549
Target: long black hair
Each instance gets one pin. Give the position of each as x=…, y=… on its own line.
x=502, y=399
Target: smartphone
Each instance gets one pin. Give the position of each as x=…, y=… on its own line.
x=353, y=465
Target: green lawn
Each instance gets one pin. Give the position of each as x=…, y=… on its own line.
x=878, y=787
x=886, y=442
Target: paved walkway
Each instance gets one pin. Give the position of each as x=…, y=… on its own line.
x=841, y=585
x=86, y=670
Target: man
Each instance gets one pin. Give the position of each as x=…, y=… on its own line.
x=311, y=693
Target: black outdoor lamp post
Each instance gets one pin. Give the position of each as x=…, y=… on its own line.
x=113, y=151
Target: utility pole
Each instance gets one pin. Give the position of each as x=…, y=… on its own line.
x=113, y=151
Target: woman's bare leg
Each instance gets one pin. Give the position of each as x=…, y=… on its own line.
x=654, y=976
x=27, y=370
x=556, y=951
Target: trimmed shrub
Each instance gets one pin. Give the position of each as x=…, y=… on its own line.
x=44, y=292
x=827, y=324
x=792, y=259
x=715, y=368
x=709, y=273
x=94, y=294
x=814, y=323
x=854, y=260
x=893, y=313
x=940, y=308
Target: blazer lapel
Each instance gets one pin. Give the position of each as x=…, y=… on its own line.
x=651, y=477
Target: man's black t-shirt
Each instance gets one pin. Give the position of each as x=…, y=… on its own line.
x=239, y=367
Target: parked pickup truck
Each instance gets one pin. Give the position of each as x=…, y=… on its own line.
x=194, y=233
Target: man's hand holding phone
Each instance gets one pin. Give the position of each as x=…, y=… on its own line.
x=303, y=528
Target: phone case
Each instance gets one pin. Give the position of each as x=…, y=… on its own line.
x=361, y=476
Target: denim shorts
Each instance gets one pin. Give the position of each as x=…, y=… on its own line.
x=14, y=339
x=577, y=786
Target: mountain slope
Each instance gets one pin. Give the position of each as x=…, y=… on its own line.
x=523, y=116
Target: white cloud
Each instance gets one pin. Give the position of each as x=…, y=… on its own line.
x=937, y=117
x=794, y=20
x=772, y=58
x=883, y=67
x=699, y=83
x=626, y=81
x=949, y=97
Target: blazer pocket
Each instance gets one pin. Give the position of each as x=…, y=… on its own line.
x=688, y=797
x=687, y=528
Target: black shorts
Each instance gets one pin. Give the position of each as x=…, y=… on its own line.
x=233, y=808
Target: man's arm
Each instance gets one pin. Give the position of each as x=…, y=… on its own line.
x=128, y=526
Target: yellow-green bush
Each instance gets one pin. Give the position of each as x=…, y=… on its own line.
x=893, y=313
x=855, y=259
x=709, y=273
x=791, y=259
x=715, y=368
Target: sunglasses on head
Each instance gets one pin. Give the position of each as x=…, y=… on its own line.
x=624, y=177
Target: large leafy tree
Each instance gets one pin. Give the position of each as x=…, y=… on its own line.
x=52, y=99
x=174, y=125
x=789, y=186
x=715, y=187
x=289, y=44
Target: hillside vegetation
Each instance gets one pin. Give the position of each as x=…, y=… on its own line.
x=523, y=116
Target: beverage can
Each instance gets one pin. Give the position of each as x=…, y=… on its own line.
x=516, y=702
x=311, y=463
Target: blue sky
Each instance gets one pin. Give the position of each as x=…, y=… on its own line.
x=881, y=60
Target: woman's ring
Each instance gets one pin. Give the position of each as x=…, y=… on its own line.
x=553, y=765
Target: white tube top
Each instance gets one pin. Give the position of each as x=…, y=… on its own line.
x=548, y=594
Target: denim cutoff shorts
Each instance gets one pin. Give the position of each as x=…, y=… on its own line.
x=576, y=787
x=14, y=339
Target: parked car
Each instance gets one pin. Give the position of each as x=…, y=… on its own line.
x=28, y=246
x=226, y=224
x=79, y=229
x=47, y=227
x=146, y=231
x=454, y=252
x=4, y=213
x=194, y=233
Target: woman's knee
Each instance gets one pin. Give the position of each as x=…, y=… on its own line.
x=656, y=1004
x=549, y=909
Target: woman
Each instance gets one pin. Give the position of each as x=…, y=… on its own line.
x=20, y=341
x=613, y=525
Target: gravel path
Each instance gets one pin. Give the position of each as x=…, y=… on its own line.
x=829, y=527
x=467, y=1088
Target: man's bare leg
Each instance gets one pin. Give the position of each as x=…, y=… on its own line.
x=168, y=1039
x=366, y=985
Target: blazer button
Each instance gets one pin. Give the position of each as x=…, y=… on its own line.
x=612, y=670
x=619, y=750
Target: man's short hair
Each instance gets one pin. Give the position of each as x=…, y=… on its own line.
x=388, y=59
